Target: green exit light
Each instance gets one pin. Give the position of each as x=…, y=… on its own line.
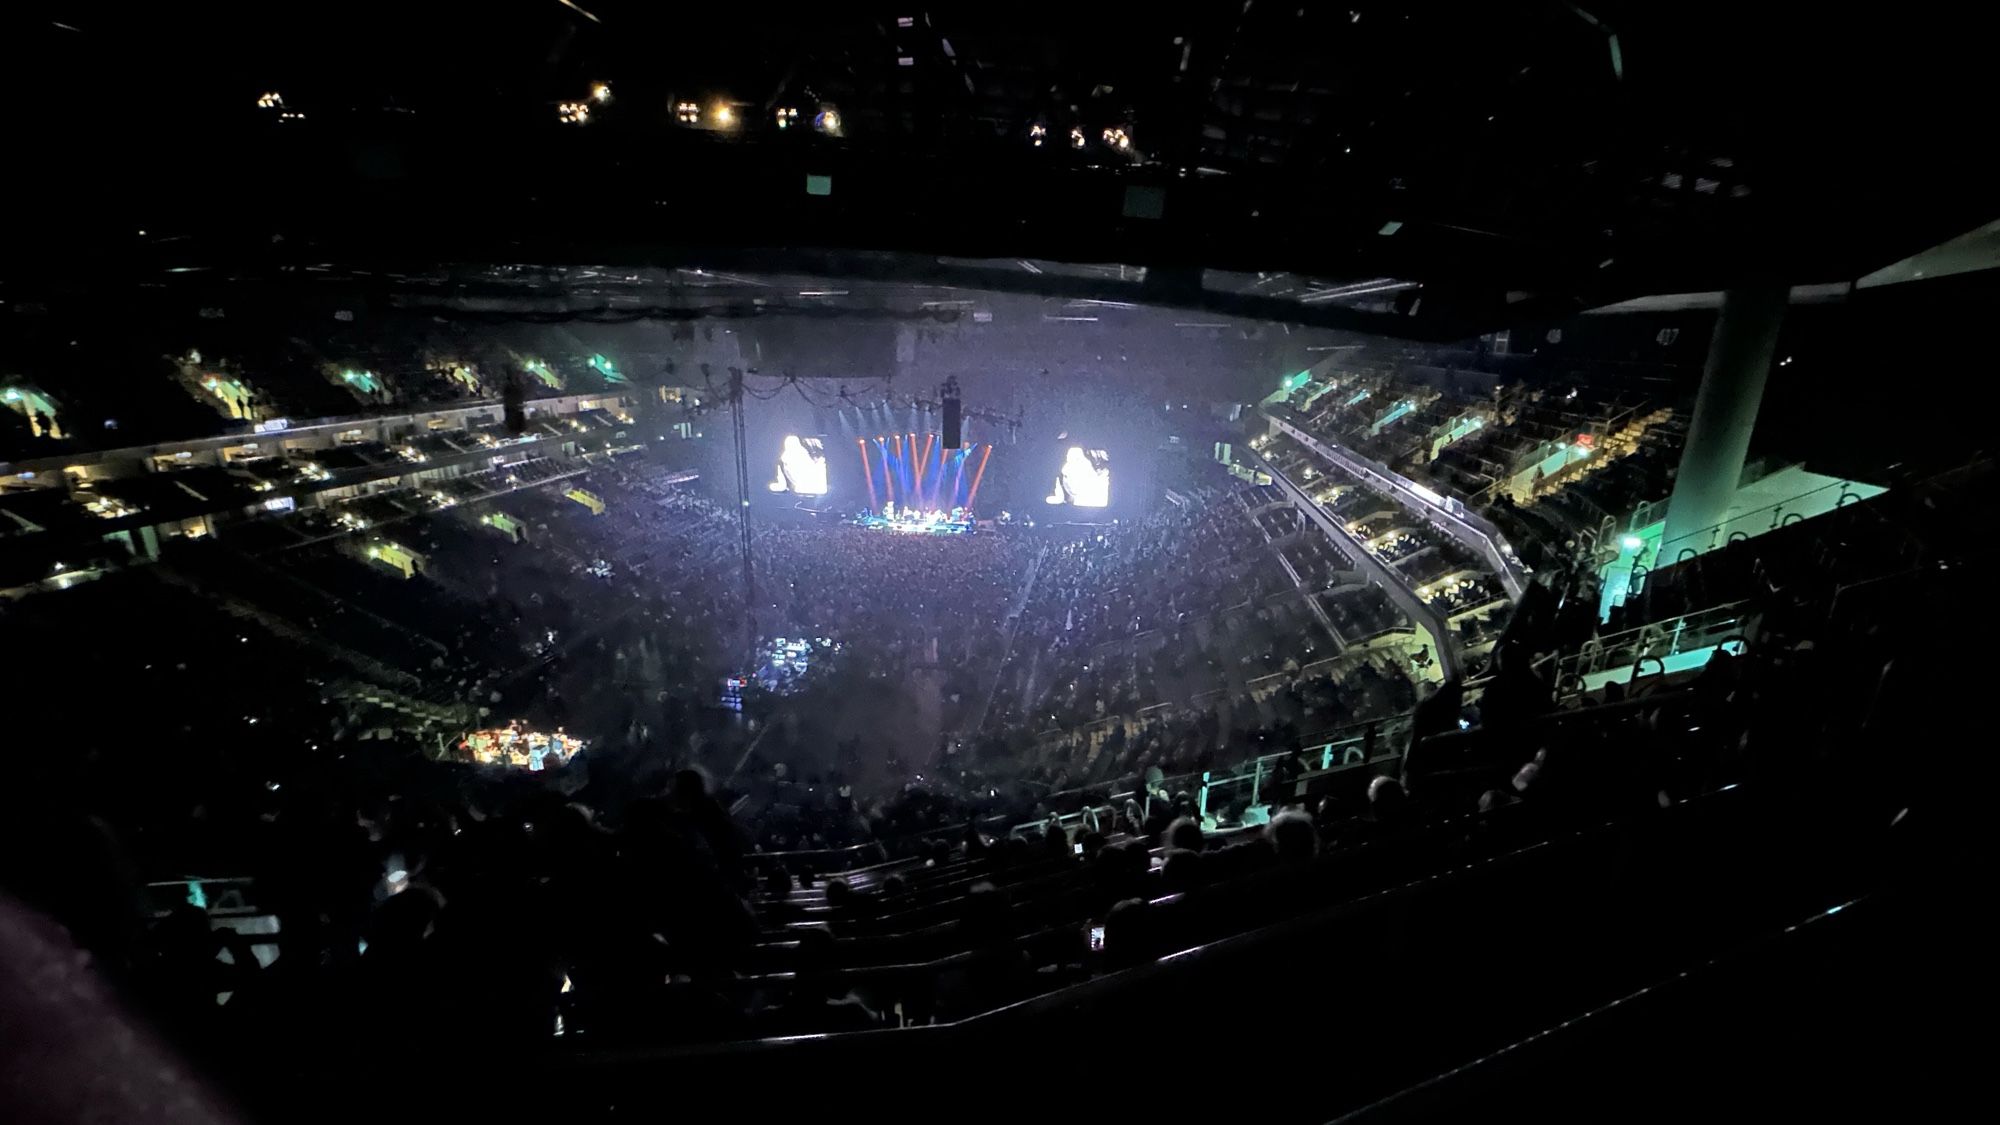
x=819, y=185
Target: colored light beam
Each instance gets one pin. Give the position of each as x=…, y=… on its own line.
x=888, y=477
x=862, y=445
x=937, y=473
x=919, y=461
x=979, y=476
x=958, y=477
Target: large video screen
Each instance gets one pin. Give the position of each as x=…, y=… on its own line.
x=1085, y=479
x=801, y=467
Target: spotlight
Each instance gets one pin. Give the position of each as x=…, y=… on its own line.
x=787, y=117
x=1076, y=136
x=271, y=100
x=1037, y=133
x=600, y=92
x=687, y=113
x=724, y=116
x=828, y=121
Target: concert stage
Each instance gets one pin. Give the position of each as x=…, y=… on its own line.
x=957, y=521
x=520, y=746
x=781, y=667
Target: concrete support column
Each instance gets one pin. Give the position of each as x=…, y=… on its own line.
x=1725, y=413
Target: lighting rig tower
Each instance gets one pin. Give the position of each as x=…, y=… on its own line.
x=743, y=508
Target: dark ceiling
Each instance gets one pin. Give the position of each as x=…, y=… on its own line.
x=1424, y=170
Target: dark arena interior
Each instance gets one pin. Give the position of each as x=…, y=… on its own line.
x=598, y=560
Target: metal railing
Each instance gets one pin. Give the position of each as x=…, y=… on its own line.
x=1709, y=538
x=1474, y=530
x=1656, y=641
x=1098, y=806
x=1375, y=740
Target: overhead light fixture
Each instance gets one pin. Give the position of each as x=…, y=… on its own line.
x=723, y=115
x=600, y=92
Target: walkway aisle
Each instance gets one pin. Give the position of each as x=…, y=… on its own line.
x=1014, y=611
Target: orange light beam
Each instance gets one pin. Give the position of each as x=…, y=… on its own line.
x=972, y=499
x=862, y=445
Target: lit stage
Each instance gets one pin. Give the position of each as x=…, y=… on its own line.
x=782, y=665
x=957, y=521
x=516, y=745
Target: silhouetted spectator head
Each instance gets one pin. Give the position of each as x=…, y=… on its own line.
x=1385, y=797
x=816, y=947
x=1181, y=871
x=985, y=918
x=1056, y=839
x=1185, y=833
x=1128, y=932
x=1015, y=851
x=777, y=883
x=1093, y=842
x=690, y=786
x=1292, y=833
x=403, y=921
x=839, y=893
x=1121, y=868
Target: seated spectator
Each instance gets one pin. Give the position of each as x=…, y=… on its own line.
x=1181, y=871
x=818, y=1001
x=1388, y=816
x=997, y=970
x=1128, y=934
x=1292, y=833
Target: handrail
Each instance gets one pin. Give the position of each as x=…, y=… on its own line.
x=1117, y=790
x=1479, y=532
x=1392, y=583
x=1640, y=643
x=1714, y=531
